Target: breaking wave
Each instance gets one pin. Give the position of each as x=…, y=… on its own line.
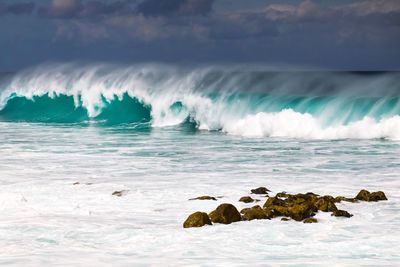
x=252, y=102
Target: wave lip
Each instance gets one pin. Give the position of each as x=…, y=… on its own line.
x=236, y=102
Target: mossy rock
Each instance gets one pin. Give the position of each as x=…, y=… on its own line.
x=283, y=195
x=260, y=191
x=274, y=201
x=301, y=211
x=225, y=214
x=339, y=199
x=310, y=220
x=204, y=198
x=246, y=199
x=197, y=219
x=254, y=213
x=297, y=212
x=298, y=207
x=325, y=204
x=341, y=213
x=365, y=195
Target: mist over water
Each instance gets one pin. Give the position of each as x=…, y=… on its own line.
x=246, y=101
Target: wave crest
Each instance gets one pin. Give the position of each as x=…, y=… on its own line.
x=251, y=104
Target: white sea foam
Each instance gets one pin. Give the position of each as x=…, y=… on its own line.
x=231, y=111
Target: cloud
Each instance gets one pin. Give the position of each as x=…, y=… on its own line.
x=17, y=8
x=175, y=7
x=70, y=9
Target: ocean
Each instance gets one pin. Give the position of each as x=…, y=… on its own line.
x=71, y=135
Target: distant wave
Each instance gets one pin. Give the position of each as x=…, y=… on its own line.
x=251, y=103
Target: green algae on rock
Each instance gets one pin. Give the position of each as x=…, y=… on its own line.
x=365, y=195
x=310, y=220
x=341, y=213
x=260, y=191
x=326, y=203
x=246, y=199
x=254, y=213
x=225, y=214
x=299, y=207
x=197, y=219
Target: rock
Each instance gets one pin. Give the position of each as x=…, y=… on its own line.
x=300, y=212
x=204, y=198
x=260, y=191
x=285, y=219
x=120, y=193
x=197, y=219
x=274, y=201
x=378, y=196
x=325, y=204
x=310, y=220
x=246, y=199
x=339, y=199
x=283, y=195
x=254, y=213
x=341, y=213
x=365, y=195
x=226, y=214
x=78, y=183
x=298, y=207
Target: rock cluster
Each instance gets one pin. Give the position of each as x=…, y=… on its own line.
x=298, y=207
x=365, y=195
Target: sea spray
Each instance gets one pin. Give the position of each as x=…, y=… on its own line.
x=251, y=103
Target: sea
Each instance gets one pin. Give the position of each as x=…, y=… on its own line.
x=73, y=134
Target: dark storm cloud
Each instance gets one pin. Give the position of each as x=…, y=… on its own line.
x=69, y=9
x=17, y=8
x=316, y=32
x=175, y=7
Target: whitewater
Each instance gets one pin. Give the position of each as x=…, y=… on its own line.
x=72, y=134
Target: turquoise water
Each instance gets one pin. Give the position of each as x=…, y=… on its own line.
x=166, y=136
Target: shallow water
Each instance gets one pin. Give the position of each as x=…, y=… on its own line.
x=45, y=220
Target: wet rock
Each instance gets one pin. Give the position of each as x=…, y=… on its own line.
x=339, y=199
x=260, y=191
x=326, y=204
x=365, y=195
x=284, y=219
x=274, y=201
x=378, y=196
x=341, y=213
x=300, y=212
x=204, y=198
x=310, y=220
x=254, y=213
x=283, y=195
x=297, y=212
x=298, y=207
x=78, y=183
x=226, y=214
x=246, y=199
x=120, y=193
x=197, y=219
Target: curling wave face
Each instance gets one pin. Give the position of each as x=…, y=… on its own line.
x=251, y=103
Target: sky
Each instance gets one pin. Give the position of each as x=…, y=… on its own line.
x=326, y=34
